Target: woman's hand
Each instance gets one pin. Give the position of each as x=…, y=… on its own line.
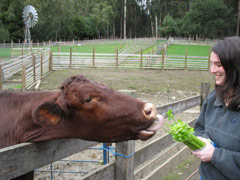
x=206, y=153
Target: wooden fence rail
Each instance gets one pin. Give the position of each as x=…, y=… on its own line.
x=128, y=61
x=22, y=158
x=36, y=64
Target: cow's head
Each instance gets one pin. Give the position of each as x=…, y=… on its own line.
x=92, y=111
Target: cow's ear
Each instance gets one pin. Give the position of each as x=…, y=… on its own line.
x=48, y=114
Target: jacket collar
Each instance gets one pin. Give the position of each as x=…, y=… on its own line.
x=218, y=103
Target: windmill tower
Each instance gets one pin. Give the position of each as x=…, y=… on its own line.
x=30, y=19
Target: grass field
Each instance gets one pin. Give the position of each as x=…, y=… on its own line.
x=5, y=52
x=99, y=48
x=193, y=50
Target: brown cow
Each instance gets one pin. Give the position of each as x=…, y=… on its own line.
x=80, y=109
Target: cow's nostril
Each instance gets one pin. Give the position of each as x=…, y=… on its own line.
x=150, y=111
x=147, y=113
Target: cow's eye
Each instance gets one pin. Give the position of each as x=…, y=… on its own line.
x=88, y=99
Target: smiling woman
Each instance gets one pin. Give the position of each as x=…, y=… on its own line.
x=218, y=124
x=217, y=69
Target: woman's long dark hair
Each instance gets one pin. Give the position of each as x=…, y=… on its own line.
x=228, y=51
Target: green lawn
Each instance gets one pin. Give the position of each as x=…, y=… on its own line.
x=148, y=50
x=5, y=52
x=193, y=50
x=99, y=48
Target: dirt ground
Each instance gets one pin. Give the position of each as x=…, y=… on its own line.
x=156, y=86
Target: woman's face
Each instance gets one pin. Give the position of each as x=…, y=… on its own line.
x=217, y=69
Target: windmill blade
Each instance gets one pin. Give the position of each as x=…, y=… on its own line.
x=30, y=16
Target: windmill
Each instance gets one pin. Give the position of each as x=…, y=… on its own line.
x=30, y=19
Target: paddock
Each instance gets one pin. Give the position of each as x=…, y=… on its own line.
x=30, y=68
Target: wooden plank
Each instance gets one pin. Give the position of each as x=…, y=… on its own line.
x=180, y=106
x=34, y=67
x=117, y=58
x=124, y=167
x=163, y=170
x=162, y=58
x=157, y=160
x=21, y=158
x=185, y=63
x=24, y=78
x=151, y=149
x=93, y=58
x=104, y=172
x=70, y=65
x=50, y=60
x=141, y=59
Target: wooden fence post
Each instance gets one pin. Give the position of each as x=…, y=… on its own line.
x=149, y=59
x=1, y=78
x=93, y=58
x=117, y=58
x=70, y=63
x=34, y=68
x=24, y=78
x=31, y=43
x=162, y=58
x=11, y=43
x=209, y=52
x=141, y=59
x=22, y=52
x=185, y=63
x=11, y=48
x=50, y=61
x=205, y=90
x=124, y=167
x=41, y=64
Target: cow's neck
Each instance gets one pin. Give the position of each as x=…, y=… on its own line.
x=16, y=112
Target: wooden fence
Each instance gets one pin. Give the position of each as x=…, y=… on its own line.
x=22, y=158
x=32, y=67
x=38, y=63
x=128, y=61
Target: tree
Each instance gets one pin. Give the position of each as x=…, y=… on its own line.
x=11, y=18
x=67, y=19
x=208, y=18
x=100, y=15
x=168, y=26
x=4, y=34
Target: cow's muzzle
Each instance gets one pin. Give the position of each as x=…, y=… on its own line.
x=149, y=111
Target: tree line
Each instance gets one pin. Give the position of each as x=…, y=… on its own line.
x=93, y=19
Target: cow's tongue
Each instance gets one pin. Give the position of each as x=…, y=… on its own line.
x=156, y=125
